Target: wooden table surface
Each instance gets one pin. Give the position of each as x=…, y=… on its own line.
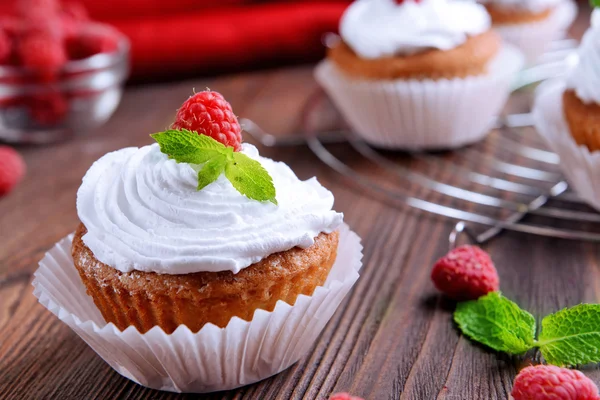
x=392, y=337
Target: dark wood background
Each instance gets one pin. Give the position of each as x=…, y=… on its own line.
x=392, y=338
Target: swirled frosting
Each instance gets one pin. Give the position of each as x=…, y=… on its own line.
x=529, y=5
x=379, y=28
x=143, y=212
x=584, y=78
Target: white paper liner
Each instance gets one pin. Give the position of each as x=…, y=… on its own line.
x=213, y=358
x=422, y=114
x=534, y=38
x=580, y=166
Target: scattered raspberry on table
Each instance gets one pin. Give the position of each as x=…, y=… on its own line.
x=465, y=273
x=208, y=113
x=344, y=396
x=547, y=382
x=12, y=169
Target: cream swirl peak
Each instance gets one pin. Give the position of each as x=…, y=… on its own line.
x=143, y=212
x=528, y=5
x=585, y=77
x=380, y=28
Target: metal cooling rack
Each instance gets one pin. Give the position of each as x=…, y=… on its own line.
x=509, y=181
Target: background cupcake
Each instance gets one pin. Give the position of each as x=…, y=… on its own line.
x=567, y=114
x=418, y=75
x=531, y=25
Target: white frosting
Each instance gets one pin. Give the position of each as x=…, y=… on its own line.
x=379, y=28
x=143, y=212
x=528, y=5
x=585, y=77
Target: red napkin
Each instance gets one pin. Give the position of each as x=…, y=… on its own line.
x=230, y=38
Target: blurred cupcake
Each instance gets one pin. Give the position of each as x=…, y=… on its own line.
x=417, y=75
x=199, y=243
x=567, y=114
x=531, y=25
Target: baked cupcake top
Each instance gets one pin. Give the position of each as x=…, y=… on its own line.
x=383, y=28
x=146, y=211
x=584, y=79
x=526, y=5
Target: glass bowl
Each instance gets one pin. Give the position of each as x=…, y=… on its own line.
x=82, y=96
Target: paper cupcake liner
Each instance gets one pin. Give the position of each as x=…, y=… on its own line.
x=580, y=166
x=534, y=38
x=214, y=358
x=422, y=114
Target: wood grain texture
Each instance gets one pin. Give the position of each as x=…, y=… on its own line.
x=392, y=338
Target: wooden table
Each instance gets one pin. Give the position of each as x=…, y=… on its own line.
x=393, y=336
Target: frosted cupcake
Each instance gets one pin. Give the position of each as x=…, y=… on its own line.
x=531, y=25
x=417, y=75
x=567, y=114
x=197, y=242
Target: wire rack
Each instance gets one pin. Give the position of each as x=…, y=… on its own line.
x=509, y=181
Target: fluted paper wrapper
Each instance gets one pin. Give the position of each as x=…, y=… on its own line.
x=533, y=39
x=422, y=114
x=214, y=358
x=580, y=166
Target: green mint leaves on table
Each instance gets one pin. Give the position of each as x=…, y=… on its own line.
x=569, y=337
x=211, y=158
x=496, y=322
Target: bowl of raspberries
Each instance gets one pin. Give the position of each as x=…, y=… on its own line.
x=61, y=74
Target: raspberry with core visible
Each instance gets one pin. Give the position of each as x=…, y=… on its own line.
x=208, y=113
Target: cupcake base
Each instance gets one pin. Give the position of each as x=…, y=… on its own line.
x=214, y=358
x=509, y=15
x=533, y=38
x=578, y=163
x=422, y=114
x=146, y=299
x=583, y=120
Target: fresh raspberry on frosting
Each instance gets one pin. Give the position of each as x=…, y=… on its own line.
x=547, y=382
x=208, y=113
x=465, y=273
x=12, y=169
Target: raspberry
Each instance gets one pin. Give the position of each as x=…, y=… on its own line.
x=208, y=113
x=42, y=53
x=547, y=382
x=87, y=44
x=48, y=108
x=465, y=273
x=72, y=16
x=343, y=396
x=12, y=169
x=36, y=9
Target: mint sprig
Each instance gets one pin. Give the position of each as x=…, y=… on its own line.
x=496, y=322
x=569, y=337
x=210, y=159
x=595, y=3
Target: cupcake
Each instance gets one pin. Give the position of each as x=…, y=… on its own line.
x=417, y=75
x=197, y=242
x=567, y=115
x=531, y=25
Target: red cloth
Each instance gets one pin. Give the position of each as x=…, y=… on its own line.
x=230, y=38
x=170, y=37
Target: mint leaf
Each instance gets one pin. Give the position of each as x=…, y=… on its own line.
x=188, y=147
x=250, y=178
x=571, y=336
x=211, y=170
x=496, y=322
x=595, y=3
